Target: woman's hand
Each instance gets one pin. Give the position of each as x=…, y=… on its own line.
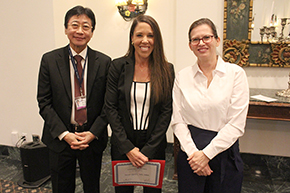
x=137, y=158
x=198, y=162
x=206, y=171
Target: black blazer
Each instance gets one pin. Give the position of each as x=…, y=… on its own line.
x=118, y=102
x=55, y=97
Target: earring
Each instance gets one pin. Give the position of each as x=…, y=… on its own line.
x=132, y=43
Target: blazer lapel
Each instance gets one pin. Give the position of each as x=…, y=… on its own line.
x=93, y=67
x=63, y=64
x=129, y=74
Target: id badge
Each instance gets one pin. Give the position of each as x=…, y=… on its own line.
x=80, y=102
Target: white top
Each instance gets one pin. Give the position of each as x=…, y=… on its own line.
x=222, y=107
x=140, y=102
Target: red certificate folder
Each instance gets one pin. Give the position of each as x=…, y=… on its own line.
x=150, y=175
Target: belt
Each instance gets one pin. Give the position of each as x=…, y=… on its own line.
x=79, y=128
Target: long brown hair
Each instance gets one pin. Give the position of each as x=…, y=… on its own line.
x=160, y=76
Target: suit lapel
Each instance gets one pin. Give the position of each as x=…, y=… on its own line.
x=93, y=67
x=129, y=74
x=62, y=61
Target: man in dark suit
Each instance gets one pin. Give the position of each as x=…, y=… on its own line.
x=71, y=92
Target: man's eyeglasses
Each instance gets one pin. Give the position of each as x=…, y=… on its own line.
x=205, y=39
x=85, y=27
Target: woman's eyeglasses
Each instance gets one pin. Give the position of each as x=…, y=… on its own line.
x=205, y=39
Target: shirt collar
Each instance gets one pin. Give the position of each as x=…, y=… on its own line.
x=220, y=67
x=82, y=54
x=195, y=69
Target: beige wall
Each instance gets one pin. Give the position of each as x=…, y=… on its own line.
x=27, y=31
x=32, y=27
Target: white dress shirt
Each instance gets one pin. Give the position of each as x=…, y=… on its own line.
x=72, y=75
x=222, y=107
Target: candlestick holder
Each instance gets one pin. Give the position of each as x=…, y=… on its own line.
x=267, y=32
x=273, y=33
x=285, y=92
x=283, y=23
x=262, y=32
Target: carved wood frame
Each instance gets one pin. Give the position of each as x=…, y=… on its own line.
x=237, y=45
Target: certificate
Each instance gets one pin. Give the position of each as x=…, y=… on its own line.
x=151, y=174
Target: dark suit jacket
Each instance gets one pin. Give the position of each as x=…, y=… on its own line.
x=55, y=97
x=118, y=102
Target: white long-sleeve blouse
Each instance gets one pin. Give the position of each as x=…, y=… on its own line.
x=222, y=107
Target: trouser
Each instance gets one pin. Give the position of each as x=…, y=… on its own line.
x=63, y=170
x=227, y=168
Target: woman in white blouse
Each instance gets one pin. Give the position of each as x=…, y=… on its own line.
x=210, y=104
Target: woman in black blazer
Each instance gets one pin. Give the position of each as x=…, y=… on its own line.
x=139, y=98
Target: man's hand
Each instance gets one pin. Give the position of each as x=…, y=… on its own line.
x=79, y=140
x=137, y=158
x=70, y=137
x=84, y=138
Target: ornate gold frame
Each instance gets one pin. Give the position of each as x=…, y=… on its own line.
x=281, y=54
x=237, y=45
x=236, y=52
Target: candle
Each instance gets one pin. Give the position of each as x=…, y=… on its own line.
x=272, y=8
x=272, y=14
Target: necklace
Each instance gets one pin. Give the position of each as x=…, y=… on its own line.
x=142, y=68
